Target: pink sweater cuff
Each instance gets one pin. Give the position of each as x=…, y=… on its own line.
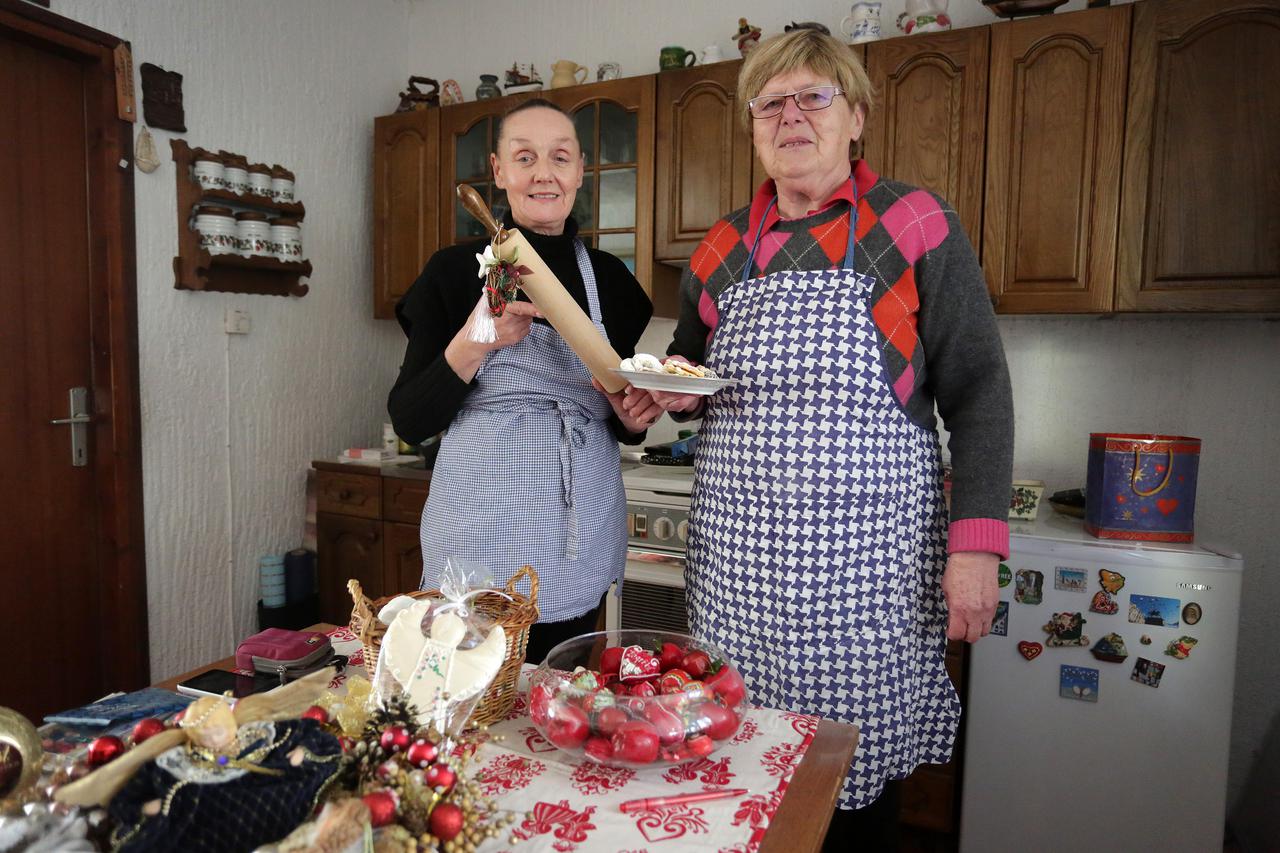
x=979, y=534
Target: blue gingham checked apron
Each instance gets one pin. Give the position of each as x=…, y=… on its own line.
x=529, y=472
x=817, y=537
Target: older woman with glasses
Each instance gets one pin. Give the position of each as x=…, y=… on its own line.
x=847, y=306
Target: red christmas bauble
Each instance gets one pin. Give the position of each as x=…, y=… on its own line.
x=446, y=821
x=145, y=728
x=395, y=738
x=440, y=777
x=104, y=749
x=422, y=753
x=315, y=712
x=382, y=807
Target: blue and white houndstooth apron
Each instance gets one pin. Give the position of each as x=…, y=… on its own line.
x=529, y=472
x=817, y=537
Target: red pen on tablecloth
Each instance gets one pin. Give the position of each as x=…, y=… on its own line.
x=679, y=799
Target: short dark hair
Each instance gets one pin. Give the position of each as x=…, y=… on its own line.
x=532, y=103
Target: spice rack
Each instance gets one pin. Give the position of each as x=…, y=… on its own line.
x=195, y=268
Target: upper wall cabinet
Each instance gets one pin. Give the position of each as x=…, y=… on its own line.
x=928, y=125
x=614, y=206
x=704, y=168
x=1055, y=132
x=1200, y=216
x=406, y=173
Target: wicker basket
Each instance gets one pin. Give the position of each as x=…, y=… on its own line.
x=515, y=617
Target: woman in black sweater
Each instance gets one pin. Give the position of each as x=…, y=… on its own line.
x=529, y=470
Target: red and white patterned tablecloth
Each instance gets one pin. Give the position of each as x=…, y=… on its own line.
x=572, y=805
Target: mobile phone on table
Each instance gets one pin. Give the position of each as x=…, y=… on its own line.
x=216, y=682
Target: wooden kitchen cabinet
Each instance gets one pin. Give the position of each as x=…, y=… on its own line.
x=704, y=167
x=367, y=524
x=1200, y=207
x=928, y=126
x=614, y=207
x=1055, y=130
x=406, y=177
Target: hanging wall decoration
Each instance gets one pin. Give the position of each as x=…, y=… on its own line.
x=162, y=98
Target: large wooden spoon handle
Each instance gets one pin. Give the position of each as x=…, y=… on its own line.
x=475, y=205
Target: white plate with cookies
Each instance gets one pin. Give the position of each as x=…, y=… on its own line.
x=675, y=383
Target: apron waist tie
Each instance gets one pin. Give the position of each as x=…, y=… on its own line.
x=571, y=436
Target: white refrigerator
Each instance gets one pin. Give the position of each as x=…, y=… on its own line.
x=1065, y=751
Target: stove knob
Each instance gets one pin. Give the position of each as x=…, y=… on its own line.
x=682, y=530
x=663, y=528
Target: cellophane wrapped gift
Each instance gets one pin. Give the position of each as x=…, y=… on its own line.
x=441, y=653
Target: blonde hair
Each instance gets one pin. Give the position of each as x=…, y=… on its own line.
x=808, y=49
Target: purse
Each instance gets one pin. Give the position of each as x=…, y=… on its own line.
x=286, y=654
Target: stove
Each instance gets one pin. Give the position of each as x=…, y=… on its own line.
x=653, y=594
x=658, y=506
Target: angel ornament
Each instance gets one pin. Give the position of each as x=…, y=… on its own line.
x=429, y=667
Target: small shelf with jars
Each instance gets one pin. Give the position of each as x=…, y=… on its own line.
x=238, y=225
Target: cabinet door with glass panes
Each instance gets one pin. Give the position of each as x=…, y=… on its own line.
x=466, y=139
x=614, y=208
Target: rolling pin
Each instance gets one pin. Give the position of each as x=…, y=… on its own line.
x=549, y=296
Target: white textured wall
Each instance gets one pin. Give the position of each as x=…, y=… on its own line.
x=231, y=423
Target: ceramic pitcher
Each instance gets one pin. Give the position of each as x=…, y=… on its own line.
x=566, y=72
x=862, y=24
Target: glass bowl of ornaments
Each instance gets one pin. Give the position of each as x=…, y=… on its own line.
x=637, y=698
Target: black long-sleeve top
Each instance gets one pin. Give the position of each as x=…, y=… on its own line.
x=428, y=394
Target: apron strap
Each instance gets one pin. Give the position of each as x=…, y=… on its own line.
x=851, y=242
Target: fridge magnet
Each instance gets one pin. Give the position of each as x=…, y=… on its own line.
x=1029, y=586
x=1000, y=624
x=1066, y=629
x=1191, y=613
x=1005, y=576
x=1147, y=672
x=1078, y=682
x=1145, y=639
x=1111, y=582
x=1029, y=650
x=1070, y=580
x=1154, y=610
x=1110, y=648
x=1103, y=603
x=1181, y=648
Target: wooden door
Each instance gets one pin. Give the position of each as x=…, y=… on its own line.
x=1200, y=207
x=929, y=125
x=614, y=207
x=71, y=561
x=346, y=547
x=1054, y=134
x=703, y=156
x=406, y=187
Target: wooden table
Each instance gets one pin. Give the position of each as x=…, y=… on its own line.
x=801, y=822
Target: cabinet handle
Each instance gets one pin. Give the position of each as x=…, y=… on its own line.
x=344, y=494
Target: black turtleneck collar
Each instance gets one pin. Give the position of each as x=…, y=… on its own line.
x=570, y=230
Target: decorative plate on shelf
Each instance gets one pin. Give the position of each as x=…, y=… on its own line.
x=673, y=383
x=1021, y=8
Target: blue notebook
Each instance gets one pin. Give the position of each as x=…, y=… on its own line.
x=147, y=702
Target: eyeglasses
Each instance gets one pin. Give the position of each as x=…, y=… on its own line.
x=813, y=98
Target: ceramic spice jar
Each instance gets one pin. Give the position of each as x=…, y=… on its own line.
x=260, y=180
x=286, y=239
x=281, y=184
x=218, y=231
x=236, y=174
x=254, y=233
x=207, y=171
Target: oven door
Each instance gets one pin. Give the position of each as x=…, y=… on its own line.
x=652, y=593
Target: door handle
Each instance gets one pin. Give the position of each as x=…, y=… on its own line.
x=78, y=417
